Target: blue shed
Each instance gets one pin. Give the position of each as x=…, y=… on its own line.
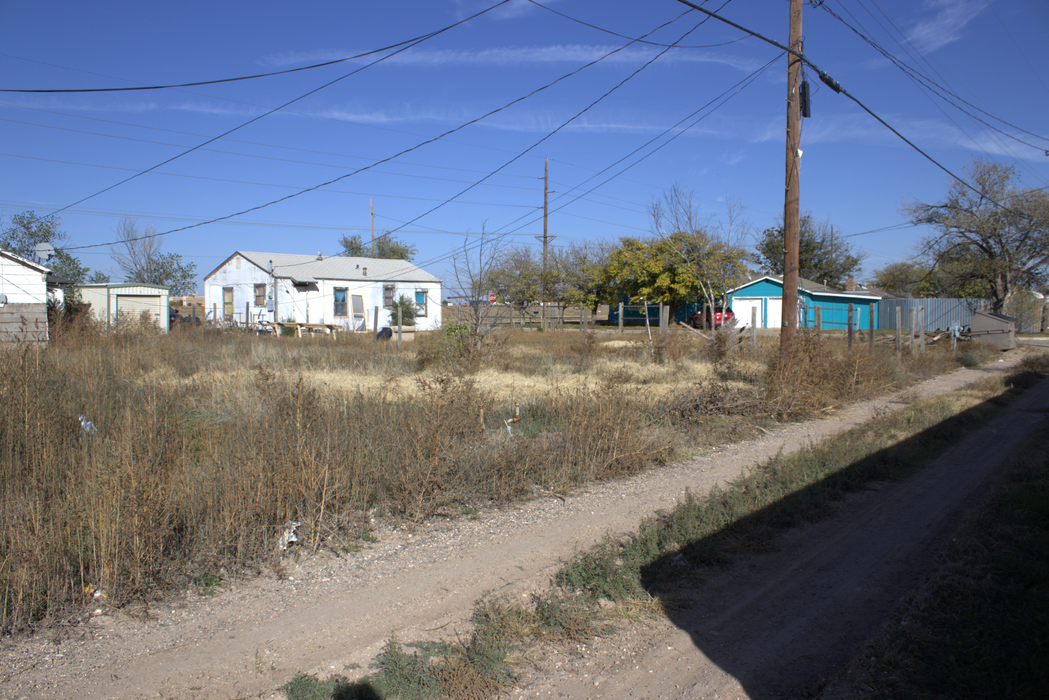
x=765, y=294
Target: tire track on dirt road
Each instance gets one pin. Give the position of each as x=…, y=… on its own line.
x=779, y=625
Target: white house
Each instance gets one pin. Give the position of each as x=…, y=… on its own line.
x=23, y=299
x=256, y=287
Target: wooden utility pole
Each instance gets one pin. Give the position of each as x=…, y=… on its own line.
x=371, y=206
x=545, y=238
x=791, y=210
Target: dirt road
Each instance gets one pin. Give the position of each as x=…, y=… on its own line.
x=777, y=623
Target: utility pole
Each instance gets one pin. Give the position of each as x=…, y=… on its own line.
x=545, y=237
x=371, y=205
x=791, y=210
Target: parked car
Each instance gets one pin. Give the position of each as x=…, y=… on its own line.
x=722, y=315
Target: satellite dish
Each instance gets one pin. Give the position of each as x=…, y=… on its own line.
x=44, y=251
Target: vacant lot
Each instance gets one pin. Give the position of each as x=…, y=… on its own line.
x=205, y=449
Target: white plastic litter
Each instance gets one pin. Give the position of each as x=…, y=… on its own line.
x=87, y=426
x=288, y=536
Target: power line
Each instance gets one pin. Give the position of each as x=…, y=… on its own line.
x=737, y=88
x=290, y=102
x=623, y=36
x=836, y=87
x=937, y=88
x=218, y=81
x=575, y=116
x=420, y=145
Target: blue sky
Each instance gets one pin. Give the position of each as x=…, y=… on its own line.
x=59, y=151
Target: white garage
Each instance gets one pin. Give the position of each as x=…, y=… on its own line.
x=128, y=300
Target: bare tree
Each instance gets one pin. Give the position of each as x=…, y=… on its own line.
x=138, y=255
x=472, y=270
x=713, y=251
x=995, y=233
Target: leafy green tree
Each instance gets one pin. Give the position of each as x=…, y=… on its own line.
x=668, y=269
x=516, y=277
x=995, y=235
x=386, y=247
x=580, y=273
x=823, y=255
x=408, y=311
x=709, y=248
x=139, y=257
x=27, y=230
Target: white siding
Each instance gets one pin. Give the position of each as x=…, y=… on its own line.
x=22, y=284
x=107, y=300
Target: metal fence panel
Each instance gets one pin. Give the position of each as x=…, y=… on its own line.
x=940, y=314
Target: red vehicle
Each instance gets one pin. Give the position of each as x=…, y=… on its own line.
x=722, y=315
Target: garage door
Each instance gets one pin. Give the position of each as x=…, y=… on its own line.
x=774, y=315
x=743, y=306
x=132, y=306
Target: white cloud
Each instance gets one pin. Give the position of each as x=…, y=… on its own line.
x=946, y=25
x=515, y=56
x=512, y=10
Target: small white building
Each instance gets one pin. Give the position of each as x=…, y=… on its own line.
x=258, y=287
x=128, y=299
x=23, y=299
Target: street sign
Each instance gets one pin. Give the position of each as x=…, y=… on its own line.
x=491, y=298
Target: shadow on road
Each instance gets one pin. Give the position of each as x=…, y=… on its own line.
x=785, y=621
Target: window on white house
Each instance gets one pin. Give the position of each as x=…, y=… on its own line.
x=387, y=295
x=340, y=302
x=420, y=302
x=260, y=294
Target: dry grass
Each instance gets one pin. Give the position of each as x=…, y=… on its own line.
x=208, y=443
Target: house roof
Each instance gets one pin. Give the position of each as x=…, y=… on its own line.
x=811, y=287
x=310, y=268
x=28, y=263
x=122, y=285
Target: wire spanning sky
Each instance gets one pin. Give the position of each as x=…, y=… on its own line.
x=446, y=133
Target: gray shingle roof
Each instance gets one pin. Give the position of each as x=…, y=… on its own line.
x=307, y=268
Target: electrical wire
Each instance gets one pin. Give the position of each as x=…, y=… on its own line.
x=415, y=42
x=724, y=97
x=834, y=85
x=575, y=116
x=937, y=88
x=623, y=36
x=219, y=81
x=413, y=148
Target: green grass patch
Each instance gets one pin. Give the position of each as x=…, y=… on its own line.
x=977, y=628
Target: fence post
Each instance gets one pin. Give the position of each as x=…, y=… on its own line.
x=620, y=318
x=899, y=332
x=914, y=315
x=247, y=314
x=664, y=323
x=753, y=326
x=921, y=328
x=850, y=327
x=582, y=321
x=400, y=342
x=819, y=320
x=870, y=313
x=376, y=321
